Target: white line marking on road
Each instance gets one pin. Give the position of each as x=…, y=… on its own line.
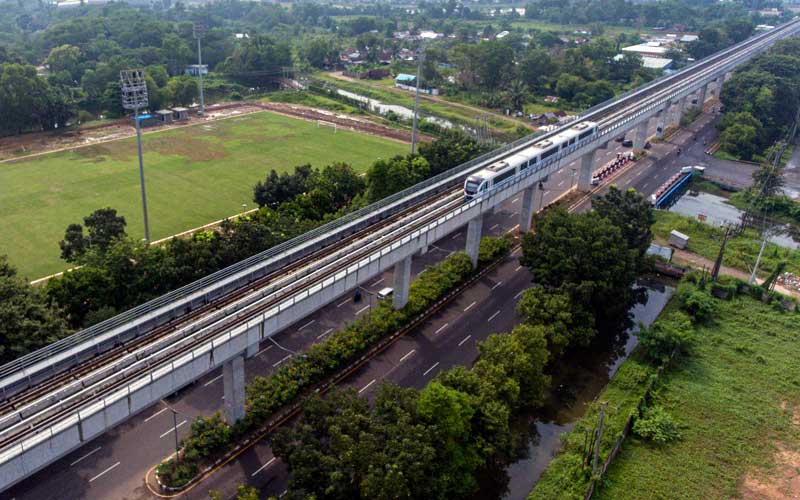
x=518, y=268
x=378, y=282
x=154, y=415
x=412, y=351
x=275, y=365
x=264, y=350
x=107, y=470
x=362, y=309
x=494, y=227
x=172, y=429
x=431, y=368
x=307, y=324
x=441, y=328
x=545, y=193
x=329, y=330
x=211, y=381
x=366, y=386
x=469, y=307
x=638, y=173
x=562, y=183
x=512, y=215
x=645, y=185
x=87, y=455
x=342, y=303
x=263, y=466
x=465, y=339
x=515, y=200
x=628, y=181
x=455, y=236
x=497, y=284
x=493, y=316
x=513, y=228
x=518, y=295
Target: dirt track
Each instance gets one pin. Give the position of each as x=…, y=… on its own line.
x=37, y=143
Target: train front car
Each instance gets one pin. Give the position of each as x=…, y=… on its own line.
x=472, y=185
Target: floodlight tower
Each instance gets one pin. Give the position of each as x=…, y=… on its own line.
x=198, y=30
x=134, y=96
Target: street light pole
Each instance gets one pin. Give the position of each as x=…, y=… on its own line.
x=134, y=97
x=198, y=34
x=416, y=100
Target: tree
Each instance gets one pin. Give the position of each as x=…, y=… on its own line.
x=565, y=324
x=276, y=189
x=65, y=58
x=386, y=177
x=23, y=97
x=586, y=256
x=182, y=90
x=103, y=226
x=739, y=140
x=768, y=180
x=568, y=86
x=27, y=320
x=451, y=149
x=257, y=59
x=537, y=69
x=632, y=214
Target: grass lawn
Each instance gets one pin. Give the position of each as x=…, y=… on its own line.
x=195, y=175
x=735, y=400
x=741, y=251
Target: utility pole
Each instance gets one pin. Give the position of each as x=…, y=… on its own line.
x=599, y=438
x=134, y=96
x=416, y=99
x=718, y=262
x=198, y=30
x=758, y=260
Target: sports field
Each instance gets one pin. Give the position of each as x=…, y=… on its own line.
x=195, y=175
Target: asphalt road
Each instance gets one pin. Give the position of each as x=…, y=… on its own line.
x=113, y=466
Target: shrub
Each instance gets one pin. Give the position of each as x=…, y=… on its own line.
x=656, y=425
x=699, y=305
x=663, y=338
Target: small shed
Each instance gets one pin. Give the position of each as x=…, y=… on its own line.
x=164, y=115
x=678, y=239
x=663, y=252
x=180, y=114
x=405, y=79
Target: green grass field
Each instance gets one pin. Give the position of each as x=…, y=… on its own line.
x=195, y=175
x=735, y=399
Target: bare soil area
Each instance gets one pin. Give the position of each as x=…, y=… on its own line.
x=37, y=143
x=782, y=481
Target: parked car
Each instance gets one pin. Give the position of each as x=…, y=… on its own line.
x=627, y=143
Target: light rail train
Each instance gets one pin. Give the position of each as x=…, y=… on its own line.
x=502, y=170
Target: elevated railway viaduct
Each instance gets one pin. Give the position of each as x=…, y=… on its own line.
x=57, y=398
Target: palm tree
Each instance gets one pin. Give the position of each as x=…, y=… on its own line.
x=516, y=93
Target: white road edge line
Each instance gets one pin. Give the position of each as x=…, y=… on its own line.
x=263, y=466
x=518, y=268
x=494, y=227
x=431, y=368
x=515, y=200
x=518, y=295
x=378, y=282
x=366, y=386
x=441, y=328
x=463, y=341
x=497, y=284
x=307, y=324
x=154, y=415
x=275, y=365
x=493, y=316
x=342, y=303
x=329, y=330
x=264, y=350
x=362, y=309
x=456, y=235
x=87, y=455
x=172, y=429
x=107, y=470
x=412, y=351
x=211, y=381
x=469, y=307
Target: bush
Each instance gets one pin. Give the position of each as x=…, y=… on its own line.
x=699, y=305
x=663, y=338
x=656, y=425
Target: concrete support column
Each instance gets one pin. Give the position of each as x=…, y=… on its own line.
x=402, y=280
x=701, y=96
x=640, y=137
x=474, y=239
x=528, y=208
x=662, y=122
x=233, y=380
x=585, y=174
x=252, y=350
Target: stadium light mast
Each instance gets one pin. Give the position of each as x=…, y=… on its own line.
x=416, y=99
x=134, y=97
x=198, y=30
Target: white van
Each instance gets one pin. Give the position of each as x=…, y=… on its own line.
x=385, y=293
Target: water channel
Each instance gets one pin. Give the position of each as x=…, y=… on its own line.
x=576, y=384
x=401, y=111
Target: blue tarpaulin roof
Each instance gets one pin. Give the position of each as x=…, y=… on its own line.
x=405, y=77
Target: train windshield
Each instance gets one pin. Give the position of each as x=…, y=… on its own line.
x=472, y=186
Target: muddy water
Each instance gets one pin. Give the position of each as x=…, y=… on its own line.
x=575, y=386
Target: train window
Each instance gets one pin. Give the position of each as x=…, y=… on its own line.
x=500, y=178
x=572, y=141
x=549, y=153
x=586, y=134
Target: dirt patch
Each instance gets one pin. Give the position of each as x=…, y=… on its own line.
x=782, y=481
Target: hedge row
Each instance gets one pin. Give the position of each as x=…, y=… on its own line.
x=212, y=437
